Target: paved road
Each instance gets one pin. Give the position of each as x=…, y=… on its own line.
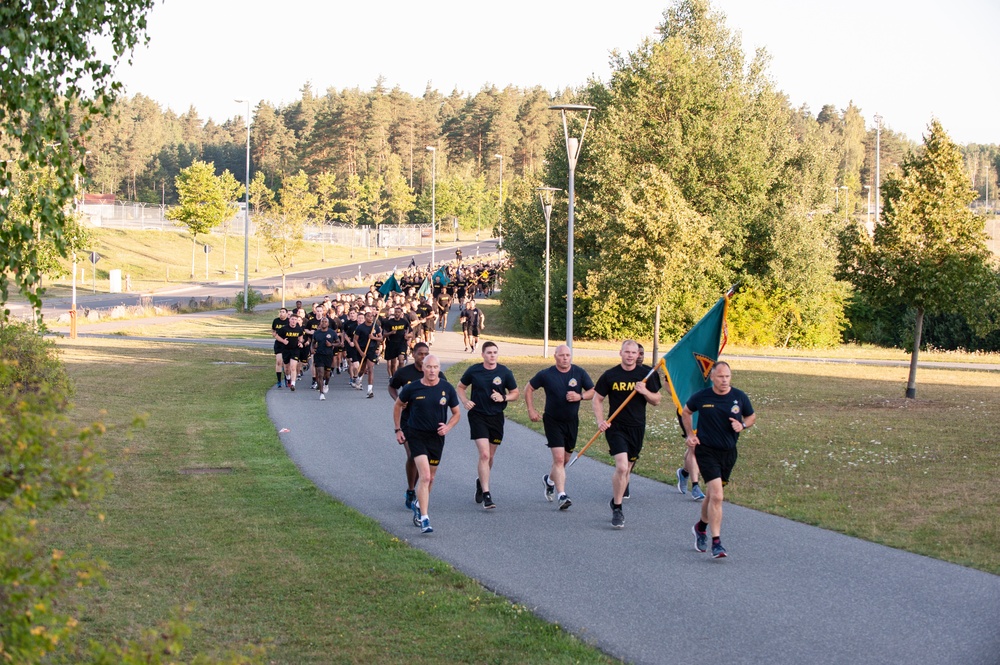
x=789, y=593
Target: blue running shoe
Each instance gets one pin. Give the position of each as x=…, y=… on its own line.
x=411, y=496
x=550, y=488
x=682, y=481
x=700, y=539
x=415, y=507
x=718, y=551
x=696, y=493
x=425, y=526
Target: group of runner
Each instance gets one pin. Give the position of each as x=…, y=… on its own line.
x=351, y=334
x=426, y=408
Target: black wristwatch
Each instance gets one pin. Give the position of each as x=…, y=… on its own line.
x=398, y=430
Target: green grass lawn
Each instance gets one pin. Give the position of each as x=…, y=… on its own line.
x=261, y=553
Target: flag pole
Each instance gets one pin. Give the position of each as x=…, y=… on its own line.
x=628, y=399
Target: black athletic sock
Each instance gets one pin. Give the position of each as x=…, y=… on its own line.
x=616, y=506
x=716, y=540
x=685, y=473
x=694, y=484
x=701, y=526
x=279, y=376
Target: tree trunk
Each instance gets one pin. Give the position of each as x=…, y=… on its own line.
x=194, y=246
x=911, y=384
x=282, y=289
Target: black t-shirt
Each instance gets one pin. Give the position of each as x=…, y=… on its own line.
x=363, y=332
x=616, y=384
x=424, y=310
x=349, y=328
x=405, y=376
x=714, y=412
x=293, y=334
x=278, y=324
x=444, y=301
x=484, y=382
x=556, y=384
x=395, y=331
x=429, y=406
x=321, y=337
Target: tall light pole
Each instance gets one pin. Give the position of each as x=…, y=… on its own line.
x=878, y=166
x=546, y=196
x=500, y=212
x=246, y=219
x=434, y=168
x=869, y=225
x=573, y=146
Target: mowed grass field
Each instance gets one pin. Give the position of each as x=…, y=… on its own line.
x=260, y=553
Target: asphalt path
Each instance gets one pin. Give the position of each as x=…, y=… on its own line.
x=788, y=593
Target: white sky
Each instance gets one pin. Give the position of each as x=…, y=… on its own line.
x=909, y=60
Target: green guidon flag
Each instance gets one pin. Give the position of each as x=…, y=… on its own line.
x=687, y=364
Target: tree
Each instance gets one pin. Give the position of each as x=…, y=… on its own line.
x=232, y=190
x=326, y=202
x=261, y=202
x=53, y=80
x=283, y=229
x=204, y=202
x=929, y=250
x=401, y=199
x=351, y=205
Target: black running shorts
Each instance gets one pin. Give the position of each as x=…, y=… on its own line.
x=625, y=439
x=486, y=427
x=430, y=444
x=715, y=462
x=324, y=360
x=561, y=433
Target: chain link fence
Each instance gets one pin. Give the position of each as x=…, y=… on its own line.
x=152, y=217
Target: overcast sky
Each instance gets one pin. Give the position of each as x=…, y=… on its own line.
x=907, y=60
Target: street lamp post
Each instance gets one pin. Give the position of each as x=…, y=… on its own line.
x=500, y=212
x=546, y=195
x=434, y=162
x=869, y=225
x=246, y=219
x=878, y=166
x=573, y=146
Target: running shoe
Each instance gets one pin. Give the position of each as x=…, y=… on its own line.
x=617, y=518
x=682, y=481
x=322, y=397
x=326, y=389
x=696, y=493
x=415, y=507
x=718, y=551
x=425, y=526
x=278, y=384
x=291, y=386
x=370, y=395
x=479, y=492
x=411, y=496
x=700, y=539
x=564, y=502
x=488, y=501
x=314, y=386
x=628, y=492
x=550, y=488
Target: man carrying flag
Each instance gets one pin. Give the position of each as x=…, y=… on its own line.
x=625, y=435
x=687, y=368
x=724, y=413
